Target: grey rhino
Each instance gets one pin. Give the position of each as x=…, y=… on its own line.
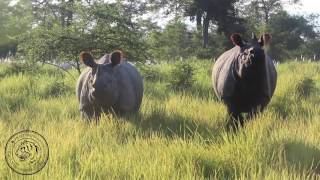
x=108, y=86
x=245, y=78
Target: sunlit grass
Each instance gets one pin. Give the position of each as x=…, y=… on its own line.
x=176, y=135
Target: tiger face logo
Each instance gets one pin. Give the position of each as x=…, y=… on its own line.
x=27, y=151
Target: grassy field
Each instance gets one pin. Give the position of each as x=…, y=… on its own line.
x=176, y=135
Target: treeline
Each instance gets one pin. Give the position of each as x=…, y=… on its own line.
x=57, y=30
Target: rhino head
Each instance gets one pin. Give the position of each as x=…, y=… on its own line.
x=102, y=84
x=252, y=56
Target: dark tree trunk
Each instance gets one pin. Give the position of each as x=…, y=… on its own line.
x=206, y=22
x=266, y=18
x=199, y=21
x=266, y=9
x=78, y=66
x=62, y=13
x=70, y=12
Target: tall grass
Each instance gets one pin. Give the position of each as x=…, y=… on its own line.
x=176, y=135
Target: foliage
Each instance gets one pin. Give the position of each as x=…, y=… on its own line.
x=289, y=35
x=221, y=13
x=16, y=69
x=182, y=76
x=260, y=11
x=177, y=42
x=151, y=73
x=57, y=31
x=99, y=27
x=305, y=87
x=172, y=43
x=313, y=48
x=14, y=20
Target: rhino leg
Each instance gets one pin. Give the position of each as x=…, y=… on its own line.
x=258, y=107
x=89, y=113
x=236, y=119
x=255, y=111
x=234, y=113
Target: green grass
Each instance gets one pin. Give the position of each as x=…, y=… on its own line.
x=176, y=135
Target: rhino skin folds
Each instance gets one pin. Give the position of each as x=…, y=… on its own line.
x=106, y=88
x=244, y=78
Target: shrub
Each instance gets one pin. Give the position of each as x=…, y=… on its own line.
x=305, y=88
x=181, y=76
x=150, y=73
x=52, y=88
x=16, y=68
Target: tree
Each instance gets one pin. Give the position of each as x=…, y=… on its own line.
x=13, y=22
x=171, y=43
x=176, y=41
x=258, y=12
x=68, y=29
x=290, y=33
x=222, y=13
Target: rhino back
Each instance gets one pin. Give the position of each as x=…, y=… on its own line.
x=222, y=74
x=130, y=87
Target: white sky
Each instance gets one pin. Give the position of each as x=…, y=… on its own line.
x=305, y=7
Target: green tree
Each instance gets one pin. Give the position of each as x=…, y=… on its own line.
x=176, y=41
x=257, y=13
x=13, y=22
x=98, y=27
x=290, y=35
x=171, y=43
x=221, y=13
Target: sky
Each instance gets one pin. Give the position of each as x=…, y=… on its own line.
x=305, y=7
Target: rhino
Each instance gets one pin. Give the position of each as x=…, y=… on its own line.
x=109, y=85
x=244, y=78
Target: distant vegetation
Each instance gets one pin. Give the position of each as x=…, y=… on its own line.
x=58, y=30
x=177, y=135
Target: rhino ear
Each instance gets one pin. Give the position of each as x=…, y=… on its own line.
x=87, y=59
x=236, y=39
x=116, y=57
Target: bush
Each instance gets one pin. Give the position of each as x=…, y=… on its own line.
x=52, y=88
x=305, y=87
x=16, y=68
x=150, y=73
x=181, y=76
